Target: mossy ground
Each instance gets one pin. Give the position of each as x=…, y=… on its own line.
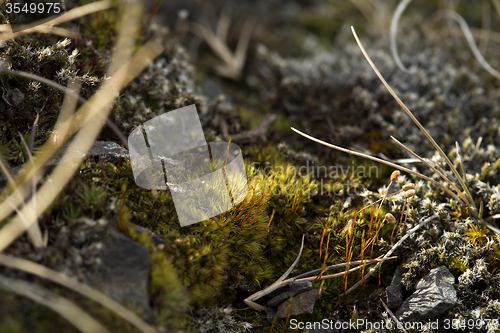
x=206, y=268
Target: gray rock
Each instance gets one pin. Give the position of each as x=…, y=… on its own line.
x=300, y=287
x=300, y=304
x=14, y=97
x=434, y=295
x=99, y=150
x=395, y=291
x=107, y=149
x=295, y=288
x=124, y=272
x=274, y=302
x=270, y=313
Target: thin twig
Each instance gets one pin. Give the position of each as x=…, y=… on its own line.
x=393, y=316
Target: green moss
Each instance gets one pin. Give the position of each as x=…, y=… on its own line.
x=168, y=297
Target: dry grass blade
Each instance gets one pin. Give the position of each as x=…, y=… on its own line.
x=20, y=192
x=67, y=109
x=233, y=63
x=399, y=324
x=496, y=3
x=223, y=26
x=367, y=261
x=5, y=171
x=393, y=33
x=34, y=233
x=94, y=114
x=408, y=112
x=76, y=316
x=477, y=33
x=34, y=230
x=361, y=264
x=470, y=40
x=376, y=159
x=461, y=162
x=446, y=179
x=281, y=282
x=73, y=284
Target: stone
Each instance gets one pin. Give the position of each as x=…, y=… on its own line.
x=270, y=313
x=14, y=97
x=273, y=302
x=124, y=272
x=434, y=295
x=107, y=149
x=394, y=292
x=295, y=288
x=300, y=304
x=300, y=287
x=99, y=150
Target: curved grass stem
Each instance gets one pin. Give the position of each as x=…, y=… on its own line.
x=393, y=33
x=410, y=114
x=376, y=159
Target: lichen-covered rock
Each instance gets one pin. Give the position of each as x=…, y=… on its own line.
x=394, y=292
x=434, y=295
